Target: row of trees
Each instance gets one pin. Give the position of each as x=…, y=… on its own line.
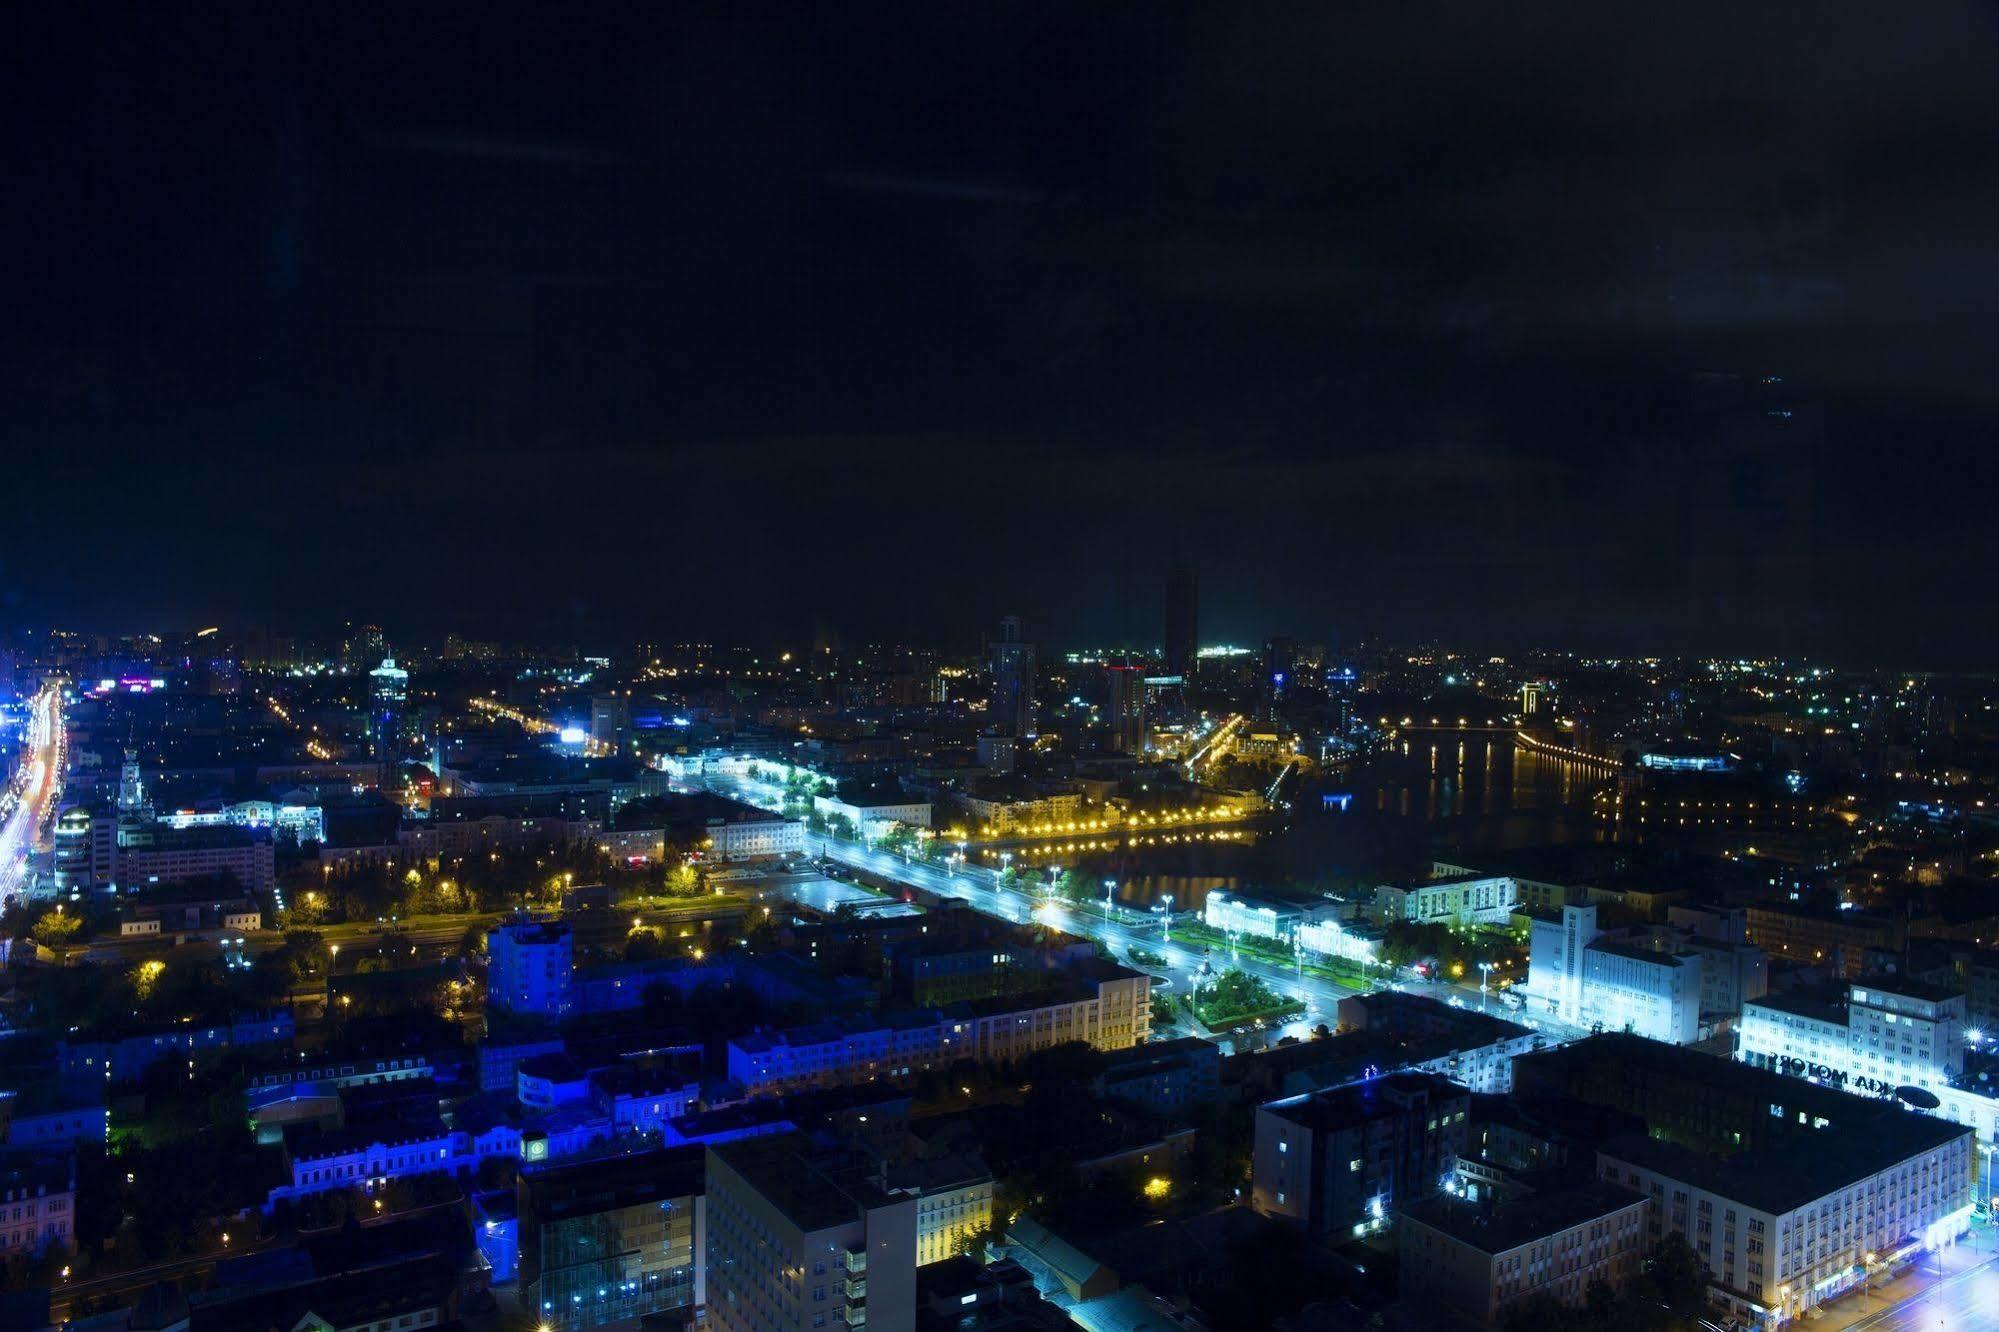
x=480, y=883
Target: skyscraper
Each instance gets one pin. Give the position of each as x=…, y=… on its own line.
x=1183, y=631
x=1013, y=681
x=1124, y=708
x=389, y=690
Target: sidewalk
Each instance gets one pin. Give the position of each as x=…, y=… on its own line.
x=1975, y=1250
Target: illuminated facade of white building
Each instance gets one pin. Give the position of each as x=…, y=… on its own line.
x=1589, y=979
x=1872, y=1036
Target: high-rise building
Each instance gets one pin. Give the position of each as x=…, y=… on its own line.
x=797, y=1242
x=610, y=722
x=389, y=690
x=1183, y=630
x=1125, y=708
x=1013, y=680
x=1280, y=670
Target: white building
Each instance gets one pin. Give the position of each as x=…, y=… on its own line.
x=1329, y=936
x=747, y=838
x=1871, y=1036
x=795, y=1247
x=1588, y=978
x=1785, y=1229
x=873, y=815
x=1233, y=913
x=1458, y=902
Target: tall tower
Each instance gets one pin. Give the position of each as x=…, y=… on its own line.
x=1183, y=626
x=131, y=790
x=1125, y=707
x=1013, y=681
x=389, y=691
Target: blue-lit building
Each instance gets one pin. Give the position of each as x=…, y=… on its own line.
x=531, y=963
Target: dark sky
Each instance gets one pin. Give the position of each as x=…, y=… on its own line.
x=733, y=319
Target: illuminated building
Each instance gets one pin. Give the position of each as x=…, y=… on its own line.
x=1791, y=1193
x=797, y=1242
x=1590, y=978
x=530, y=966
x=1484, y=1262
x=1233, y=913
x=1474, y=1049
x=1328, y=936
x=1013, y=666
x=614, y=1241
x=1872, y=1035
x=873, y=812
x=1342, y=1161
x=954, y=1202
x=86, y=850
x=299, y=823
x=1457, y=900
x=389, y=688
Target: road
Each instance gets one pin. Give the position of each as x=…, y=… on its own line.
x=1963, y=1296
x=34, y=798
x=1129, y=927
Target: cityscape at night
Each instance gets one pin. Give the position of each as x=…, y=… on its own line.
x=908, y=669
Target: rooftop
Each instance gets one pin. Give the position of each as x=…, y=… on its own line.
x=1510, y=1225
x=813, y=1191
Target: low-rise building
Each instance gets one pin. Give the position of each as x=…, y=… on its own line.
x=1455, y=897
x=1485, y=1262
x=954, y=1202
x=1835, y=939
x=37, y=1202
x=1166, y=1077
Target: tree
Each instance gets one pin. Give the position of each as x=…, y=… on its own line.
x=57, y=928
x=1678, y=1276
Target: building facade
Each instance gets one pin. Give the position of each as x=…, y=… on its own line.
x=1340, y=1162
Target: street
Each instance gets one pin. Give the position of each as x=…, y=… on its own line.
x=39, y=788
x=1129, y=927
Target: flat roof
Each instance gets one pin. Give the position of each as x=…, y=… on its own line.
x=794, y=1177
x=1495, y=1230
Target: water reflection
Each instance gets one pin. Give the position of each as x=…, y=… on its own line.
x=1443, y=795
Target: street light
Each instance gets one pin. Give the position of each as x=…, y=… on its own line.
x=1166, y=918
x=1484, y=971
x=1110, y=886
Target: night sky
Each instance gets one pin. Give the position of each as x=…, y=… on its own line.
x=735, y=320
